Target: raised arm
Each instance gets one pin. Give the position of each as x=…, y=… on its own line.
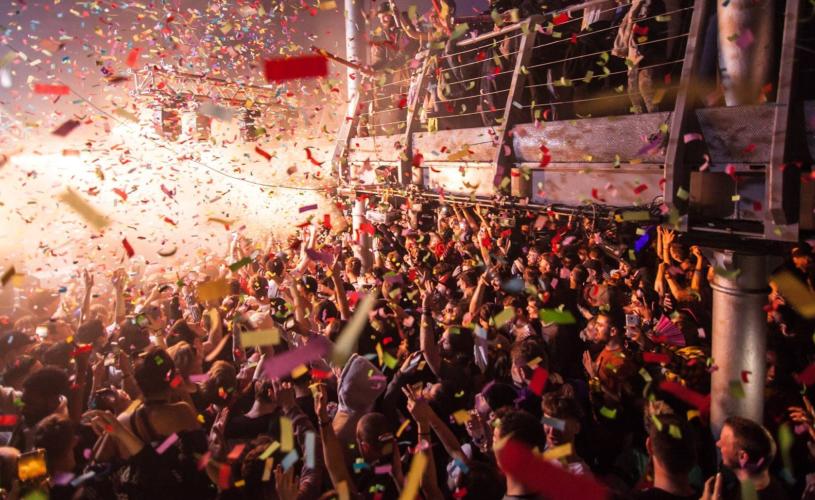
x=427, y=338
x=332, y=449
x=87, y=277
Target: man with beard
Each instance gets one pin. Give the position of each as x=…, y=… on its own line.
x=44, y=392
x=747, y=450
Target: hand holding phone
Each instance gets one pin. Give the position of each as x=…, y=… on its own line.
x=31, y=466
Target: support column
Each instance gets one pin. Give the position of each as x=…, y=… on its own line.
x=745, y=48
x=354, y=47
x=739, y=336
x=362, y=250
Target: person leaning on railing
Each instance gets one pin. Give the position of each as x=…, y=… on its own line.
x=635, y=43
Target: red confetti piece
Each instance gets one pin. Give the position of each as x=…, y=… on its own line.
x=744, y=374
x=133, y=58
x=693, y=398
x=655, y=357
x=807, y=376
x=166, y=191
x=639, y=189
x=121, y=193
x=176, y=381
x=320, y=374
x=311, y=66
x=8, y=420
x=546, y=158
x=236, y=452
x=81, y=350
x=561, y=18
x=573, y=39
x=311, y=158
x=169, y=221
x=547, y=480
x=128, y=248
x=41, y=88
x=263, y=153
x=596, y=196
x=366, y=228
x=224, y=473
x=308, y=208
x=66, y=128
x=418, y=158
x=538, y=382
x=640, y=30
x=750, y=148
x=327, y=221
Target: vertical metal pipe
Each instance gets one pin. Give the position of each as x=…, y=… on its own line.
x=745, y=48
x=362, y=249
x=354, y=46
x=739, y=337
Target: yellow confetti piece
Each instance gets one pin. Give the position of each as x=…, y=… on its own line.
x=260, y=338
x=346, y=343
x=267, y=470
x=693, y=414
x=213, y=290
x=268, y=451
x=299, y=371
x=796, y=292
x=286, y=434
x=558, y=452
x=84, y=209
x=461, y=417
x=402, y=428
x=414, y=477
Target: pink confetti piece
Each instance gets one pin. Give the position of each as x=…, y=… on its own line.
x=164, y=446
x=745, y=39
x=692, y=137
x=283, y=363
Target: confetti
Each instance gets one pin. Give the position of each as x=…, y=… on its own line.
x=84, y=209
x=263, y=153
x=653, y=357
x=239, y=264
x=164, y=446
x=796, y=292
x=414, y=477
x=347, y=339
x=41, y=88
x=7, y=275
x=282, y=364
x=538, y=381
x=128, y=248
x=66, y=128
x=260, y=338
x=548, y=480
x=556, y=316
x=311, y=66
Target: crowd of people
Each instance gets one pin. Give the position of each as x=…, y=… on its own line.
x=473, y=359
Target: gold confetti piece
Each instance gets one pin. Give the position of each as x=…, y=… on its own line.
x=638, y=215
x=268, y=451
x=347, y=340
x=213, y=290
x=796, y=292
x=402, y=428
x=414, y=477
x=260, y=338
x=286, y=434
x=84, y=209
x=461, y=417
x=267, y=469
x=558, y=452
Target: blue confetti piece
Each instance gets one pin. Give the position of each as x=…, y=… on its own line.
x=289, y=459
x=643, y=240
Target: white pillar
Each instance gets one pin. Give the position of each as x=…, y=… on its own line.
x=739, y=337
x=354, y=45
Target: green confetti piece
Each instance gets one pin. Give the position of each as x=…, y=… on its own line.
x=503, y=317
x=724, y=273
x=657, y=422
x=638, y=215
x=675, y=431
x=682, y=194
x=556, y=316
x=239, y=264
x=736, y=389
x=609, y=413
x=645, y=375
x=785, y=441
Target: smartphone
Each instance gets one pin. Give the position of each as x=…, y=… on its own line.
x=414, y=362
x=31, y=466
